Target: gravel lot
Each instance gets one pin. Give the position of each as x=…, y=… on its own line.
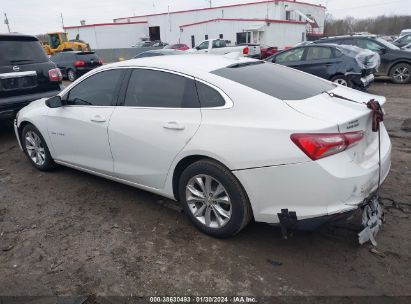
x=68, y=232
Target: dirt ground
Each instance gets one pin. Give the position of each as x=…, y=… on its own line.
x=68, y=232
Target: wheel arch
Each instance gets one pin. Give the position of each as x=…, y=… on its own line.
x=187, y=161
x=398, y=62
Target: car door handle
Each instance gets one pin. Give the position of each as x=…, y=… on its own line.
x=173, y=125
x=98, y=118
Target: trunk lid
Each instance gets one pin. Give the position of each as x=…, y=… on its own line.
x=349, y=116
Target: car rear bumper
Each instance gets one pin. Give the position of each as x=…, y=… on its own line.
x=9, y=106
x=361, y=82
x=314, y=189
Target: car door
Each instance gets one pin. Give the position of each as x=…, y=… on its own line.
x=159, y=116
x=385, y=54
x=317, y=61
x=78, y=130
x=291, y=58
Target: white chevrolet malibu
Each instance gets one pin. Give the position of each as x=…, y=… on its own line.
x=232, y=139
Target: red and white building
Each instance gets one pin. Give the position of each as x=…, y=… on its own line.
x=272, y=22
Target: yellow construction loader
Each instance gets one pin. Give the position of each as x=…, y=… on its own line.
x=57, y=42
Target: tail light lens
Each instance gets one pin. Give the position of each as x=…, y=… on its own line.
x=55, y=75
x=245, y=51
x=79, y=63
x=100, y=62
x=321, y=145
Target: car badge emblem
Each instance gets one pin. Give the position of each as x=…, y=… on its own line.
x=16, y=68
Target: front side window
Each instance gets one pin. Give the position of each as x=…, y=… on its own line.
x=318, y=53
x=203, y=46
x=369, y=44
x=291, y=55
x=150, y=88
x=97, y=90
x=209, y=97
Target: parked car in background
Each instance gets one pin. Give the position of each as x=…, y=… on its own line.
x=74, y=64
x=158, y=43
x=176, y=126
x=220, y=47
x=402, y=41
x=26, y=73
x=145, y=43
x=395, y=63
x=162, y=52
x=407, y=47
x=346, y=65
x=405, y=32
x=267, y=51
x=178, y=46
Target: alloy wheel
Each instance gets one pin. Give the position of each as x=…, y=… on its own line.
x=401, y=74
x=341, y=82
x=35, y=148
x=208, y=201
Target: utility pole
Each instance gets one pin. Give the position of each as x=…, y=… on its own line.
x=6, y=22
x=209, y=1
x=62, y=20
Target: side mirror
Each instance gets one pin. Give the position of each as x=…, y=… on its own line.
x=197, y=48
x=382, y=51
x=54, y=102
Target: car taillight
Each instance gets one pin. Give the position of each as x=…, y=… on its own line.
x=100, y=62
x=55, y=75
x=245, y=51
x=79, y=63
x=321, y=145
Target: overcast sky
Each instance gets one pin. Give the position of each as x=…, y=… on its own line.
x=41, y=16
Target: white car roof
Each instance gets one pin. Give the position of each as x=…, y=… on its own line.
x=190, y=64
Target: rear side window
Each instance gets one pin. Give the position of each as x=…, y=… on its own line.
x=97, y=90
x=209, y=97
x=318, y=53
x=14, y=51
x=150, y=88
x=276, y=80
x=219, y=44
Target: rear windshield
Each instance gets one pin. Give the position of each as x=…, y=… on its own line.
x=276, y=80
x=87, y=56
x=21, y=52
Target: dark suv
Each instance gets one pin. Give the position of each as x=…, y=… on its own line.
x=26, y=73
x=395, y=63
x=73, y=64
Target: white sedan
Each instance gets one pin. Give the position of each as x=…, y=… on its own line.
x=232, y=139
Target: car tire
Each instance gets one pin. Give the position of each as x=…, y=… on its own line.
x=401, y=73
x=36, y=149
x=220, y=207
x=71, y=75
x=342, y=80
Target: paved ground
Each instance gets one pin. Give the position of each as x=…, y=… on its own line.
x=68, y=232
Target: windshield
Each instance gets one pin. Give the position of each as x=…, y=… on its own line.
x=19, y=52
x=387, y=44
x=276, y=80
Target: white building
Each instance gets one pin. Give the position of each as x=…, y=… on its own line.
x=272, y=22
